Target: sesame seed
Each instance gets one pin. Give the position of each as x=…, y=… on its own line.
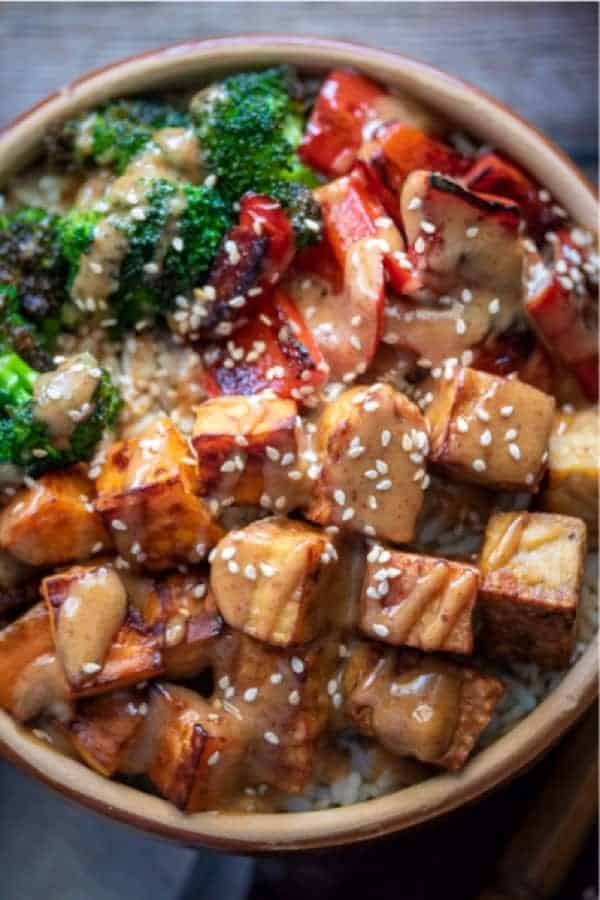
x=271, y=738
x=293, y=698
x=486, y=438
x=506, y=411
x=482, y=414
x=515, y=451
x=348, y=514
x=266, y=569
x=90, y=668
x=276, y=678
x=479, y=465
x=250, y=572
x=250, y=694
x=461, y=326
x=386, y=437
x=419, y=245
x=427, y=227
x=177, y=244
x=340, y=497
x=511, y=434
x=472, y=232
x=297, y=665
x=228, y=552
x=494, y=306
x=462, y=425
x=233, y=567
x=213, y=759
x=414, y=203
x=381, y=630
x=384, y=485
x=371, y=406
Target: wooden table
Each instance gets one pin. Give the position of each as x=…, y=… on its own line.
x=540, y=58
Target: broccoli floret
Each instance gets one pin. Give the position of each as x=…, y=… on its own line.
x=303, y=210
x=26, y=441
x=194, y=218
x=249, y=127
x=113, y=134
x=75, y=233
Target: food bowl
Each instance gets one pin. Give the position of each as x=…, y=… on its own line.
x=490, y=121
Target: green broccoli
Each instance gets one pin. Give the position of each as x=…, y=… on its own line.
x=113, y=134
x=26, y=440
x=39, y=257
x=169, y=250
x=249, y=128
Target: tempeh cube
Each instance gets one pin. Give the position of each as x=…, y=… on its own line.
x=419, y=601
x=31, y=682
x=52, y=521
x=532, y=570
x=146, y=495
x=490, y=430
x=104, y=728
x=102, y=643
x=372, y=444
x=271, y=580
x=248, y=448
x=421, y=706
x=573, y=467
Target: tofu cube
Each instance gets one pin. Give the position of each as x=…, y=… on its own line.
x=191, y=752
x=419, y=601
x=30, y=680
x=105, y=727
x=191, y=622
x=490, y=430
x=102, y=643
x=372, y=443
x=285, y=700
x=146, y=496
x=247, y=448
x=53, y=521
x=420, y=706
x=271, y=580
x=573, y=462
x=531, y=569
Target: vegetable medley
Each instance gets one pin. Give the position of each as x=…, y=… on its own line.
x=253, y=344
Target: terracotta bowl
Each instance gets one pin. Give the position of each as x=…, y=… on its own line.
x=491, y=121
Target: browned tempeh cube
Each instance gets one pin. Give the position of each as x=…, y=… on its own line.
x=419, y=601
x=103, y=728
x=573, y=463
x=490, y=430
x=147, y=500
x=31, y=682
x=372, y=443
x=248, y=448
x=102, y=643
x=284, y=700
x=271, y=580
x=421, y=706
x=53, y=521
x=532, y=570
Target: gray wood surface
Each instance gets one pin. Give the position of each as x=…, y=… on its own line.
x=541, y=58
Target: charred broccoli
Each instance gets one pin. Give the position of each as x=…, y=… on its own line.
x=56, y=419
x=249, y=127
x=113, y=134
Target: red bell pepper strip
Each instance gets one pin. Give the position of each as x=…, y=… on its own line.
x=491, y=174
x=346, y=102
x=274, y=351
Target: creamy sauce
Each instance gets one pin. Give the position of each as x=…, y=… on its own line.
x=89, y=618
x=63, y=397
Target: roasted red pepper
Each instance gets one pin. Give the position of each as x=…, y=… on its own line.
x=275, y=350
x=346, y=102
x=491, y=174
x=562, y=305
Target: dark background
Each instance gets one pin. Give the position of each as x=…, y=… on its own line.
x=541, y=59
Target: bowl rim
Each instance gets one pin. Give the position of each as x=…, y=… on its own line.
x=507, y=756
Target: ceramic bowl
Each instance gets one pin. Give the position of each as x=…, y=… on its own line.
x=493, y=123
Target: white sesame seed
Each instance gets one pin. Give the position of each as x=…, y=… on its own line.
x=414, y=203
x=293, y=698
x=118, y=525
x=386, y=437
x=213, y=759
x=515, y=451
x=506, y=411
x=461, y=326
x=494, y=306
x=276, y=678
x=266, y=569
x=233, y=567
x=511, y=434
x=486, y=438
x=479, y=465
x=384, y=485
x=419, y=245
x=462, y=425
x=472, y=232
x=250, y=572
x=228, y=552
x=271, y=738
x=348, y=514
x=339, y=496
x=90, y=668
x=250, y=694
x=297, y=665
x=381, y=630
